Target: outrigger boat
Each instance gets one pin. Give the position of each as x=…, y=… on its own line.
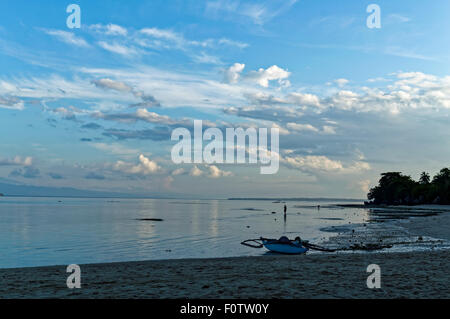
x=284, y=245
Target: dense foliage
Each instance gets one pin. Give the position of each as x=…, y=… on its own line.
x=394, y=188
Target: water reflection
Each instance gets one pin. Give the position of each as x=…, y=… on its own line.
x=214, y=223
x=45, y=232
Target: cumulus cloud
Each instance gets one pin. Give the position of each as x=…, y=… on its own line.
x=273, y=73
x=411, y=91
x=303, y=99
x=10, y=102
x=140, y=115
x=178, y=171
x=215, y=172
x=323, y=164
x=18, y=160
x=233, y=73
x=341, y=82
x=195, y=171
x=144, y=167
x=212, y=171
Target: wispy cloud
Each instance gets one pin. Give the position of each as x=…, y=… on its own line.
x=395, y=17
x=68, y=37
x=109, y=29
x=114, y=47
x=163, y=39
x=206, y=59
x=407, y=53
x=259, y=13
x=387, y=50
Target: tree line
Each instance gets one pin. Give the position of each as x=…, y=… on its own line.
x=394, y=188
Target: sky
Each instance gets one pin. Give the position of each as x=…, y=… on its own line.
x=94, y=107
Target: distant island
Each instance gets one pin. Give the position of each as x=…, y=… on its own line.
x=297, y=199
x=394, y=188
x=1, y=194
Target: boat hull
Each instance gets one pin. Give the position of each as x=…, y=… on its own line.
x=285, y=248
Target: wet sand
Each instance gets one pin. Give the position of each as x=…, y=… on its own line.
x=437, y=226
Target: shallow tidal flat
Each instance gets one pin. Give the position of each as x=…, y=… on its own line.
x=395, y=229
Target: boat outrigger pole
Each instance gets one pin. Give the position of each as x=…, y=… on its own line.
x=249, y=243
x=284, y=245
x=317, y=247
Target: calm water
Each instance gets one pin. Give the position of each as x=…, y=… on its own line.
x=62, y=231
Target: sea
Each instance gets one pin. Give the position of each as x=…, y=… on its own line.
x=46, y=231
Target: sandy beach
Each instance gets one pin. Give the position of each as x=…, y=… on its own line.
x=403, y=275
x=415, y=274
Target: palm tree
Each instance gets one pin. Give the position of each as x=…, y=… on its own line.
x=424, y=178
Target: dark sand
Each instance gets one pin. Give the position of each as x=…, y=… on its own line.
x=403, y=275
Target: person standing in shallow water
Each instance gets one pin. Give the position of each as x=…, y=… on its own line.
x=285, y=210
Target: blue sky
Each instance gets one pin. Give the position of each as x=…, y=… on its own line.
x=93, y=108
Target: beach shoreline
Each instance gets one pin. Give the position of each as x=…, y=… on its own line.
x=338, y=275
x=411, y=274
x=395, y=229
